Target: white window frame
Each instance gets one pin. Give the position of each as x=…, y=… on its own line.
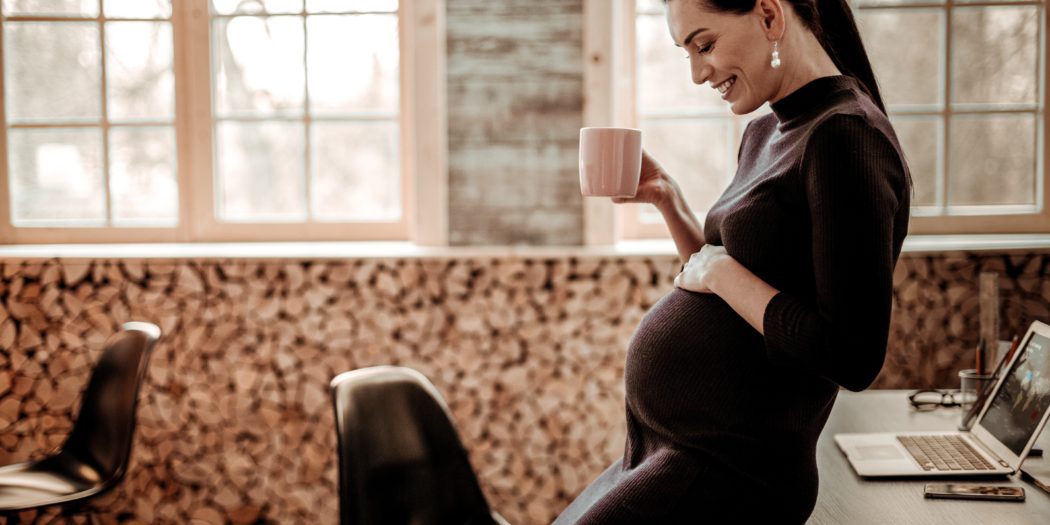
x=609, y=83
x=976, y=219
x=423, y=148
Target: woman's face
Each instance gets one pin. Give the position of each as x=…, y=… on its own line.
x=728, y=51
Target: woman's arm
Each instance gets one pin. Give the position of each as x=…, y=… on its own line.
x=713, y=270
x=858, y=195
x=656, y=187
x=686, y=230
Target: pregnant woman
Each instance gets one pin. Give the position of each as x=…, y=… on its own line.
x=786, y=288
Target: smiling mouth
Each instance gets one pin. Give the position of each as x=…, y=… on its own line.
x=724, y=86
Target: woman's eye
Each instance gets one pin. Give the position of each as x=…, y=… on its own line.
x=702, y=49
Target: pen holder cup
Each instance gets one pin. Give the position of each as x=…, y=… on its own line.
x=971, y=384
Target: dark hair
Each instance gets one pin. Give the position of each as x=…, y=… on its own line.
x=831, y=21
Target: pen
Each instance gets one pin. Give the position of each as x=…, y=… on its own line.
x=983, y=393
x=980, y=358
x=1009, y=353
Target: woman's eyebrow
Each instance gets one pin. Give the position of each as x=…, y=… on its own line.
x=691, y=35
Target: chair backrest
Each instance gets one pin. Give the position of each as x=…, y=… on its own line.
x=104, y=427
x=400, y=458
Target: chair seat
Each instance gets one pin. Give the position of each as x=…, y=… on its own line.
x=54, y=480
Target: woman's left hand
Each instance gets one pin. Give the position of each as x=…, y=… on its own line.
x=698, y=273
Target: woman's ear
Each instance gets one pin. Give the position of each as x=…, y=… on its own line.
x=771, y=15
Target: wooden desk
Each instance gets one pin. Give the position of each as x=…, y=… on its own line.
x=848, y=498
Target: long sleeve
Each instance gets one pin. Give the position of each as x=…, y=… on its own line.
x=855, y=184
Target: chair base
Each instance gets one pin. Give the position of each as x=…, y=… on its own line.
x=55, y=480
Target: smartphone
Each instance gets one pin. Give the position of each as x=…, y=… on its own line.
x=969, y=491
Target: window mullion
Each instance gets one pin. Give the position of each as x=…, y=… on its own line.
x=193, y=101
x=6, y=232
x=307, y=124
x=1040, y=132
x=104, y=105
x=943, y=177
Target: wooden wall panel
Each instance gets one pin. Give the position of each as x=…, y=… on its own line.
x=515, y=105
x=235, y=425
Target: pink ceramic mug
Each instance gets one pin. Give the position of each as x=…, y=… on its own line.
x=610, y=161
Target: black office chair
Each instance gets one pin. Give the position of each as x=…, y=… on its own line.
x=400, y=458
x=95, y=456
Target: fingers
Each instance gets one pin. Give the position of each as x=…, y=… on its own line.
x=629, y=201
x=650, y=167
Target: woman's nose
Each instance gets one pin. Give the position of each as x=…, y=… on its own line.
x=701, y=72
x=700, y=75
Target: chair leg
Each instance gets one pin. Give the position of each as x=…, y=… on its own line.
x=81, y=510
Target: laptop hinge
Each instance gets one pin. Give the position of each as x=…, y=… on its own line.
x=987, y=451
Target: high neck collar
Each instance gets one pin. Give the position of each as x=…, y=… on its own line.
x=814, y=94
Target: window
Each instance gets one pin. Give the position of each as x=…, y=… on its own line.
x=90, y=109
x=136, y=120
x=963, y=82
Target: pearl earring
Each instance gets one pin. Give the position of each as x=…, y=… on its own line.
x=776, y=55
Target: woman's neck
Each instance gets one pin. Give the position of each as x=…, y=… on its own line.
x=805, y=60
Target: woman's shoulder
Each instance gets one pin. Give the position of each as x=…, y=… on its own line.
x=856, y=136
x=852, y=125
x=853, y=114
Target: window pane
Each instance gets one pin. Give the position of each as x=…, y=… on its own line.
x=992, y=160
x=261, y=171
x=905, y=48
x=255, y=7
x=137, y=8
x=51, y=71
x=702, y=172
x=56, y=176
x=259, y=65
x=342, y=6
x=51, y=8
x=353, y=63
x=356, y=175
x=995, y=54
x=139, y=74
x=919, y=136
x=142, y=176
x=664, y=81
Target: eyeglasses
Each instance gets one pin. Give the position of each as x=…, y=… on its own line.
x=925, y=400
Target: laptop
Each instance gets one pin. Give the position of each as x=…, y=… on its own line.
x=1008, y=425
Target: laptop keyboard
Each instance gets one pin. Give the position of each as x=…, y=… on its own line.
x=944, y=453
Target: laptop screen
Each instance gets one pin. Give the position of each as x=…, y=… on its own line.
x=1019, y=405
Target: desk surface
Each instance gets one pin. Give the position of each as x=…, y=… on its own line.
x=848, y=498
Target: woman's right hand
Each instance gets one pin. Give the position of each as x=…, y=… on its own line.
x=655, y=185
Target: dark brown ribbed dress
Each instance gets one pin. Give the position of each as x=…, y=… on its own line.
x=722, y=423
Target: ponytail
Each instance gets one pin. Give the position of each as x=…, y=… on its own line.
x=837, y=32
x=831, y=21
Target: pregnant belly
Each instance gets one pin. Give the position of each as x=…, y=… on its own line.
x=692, y=364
